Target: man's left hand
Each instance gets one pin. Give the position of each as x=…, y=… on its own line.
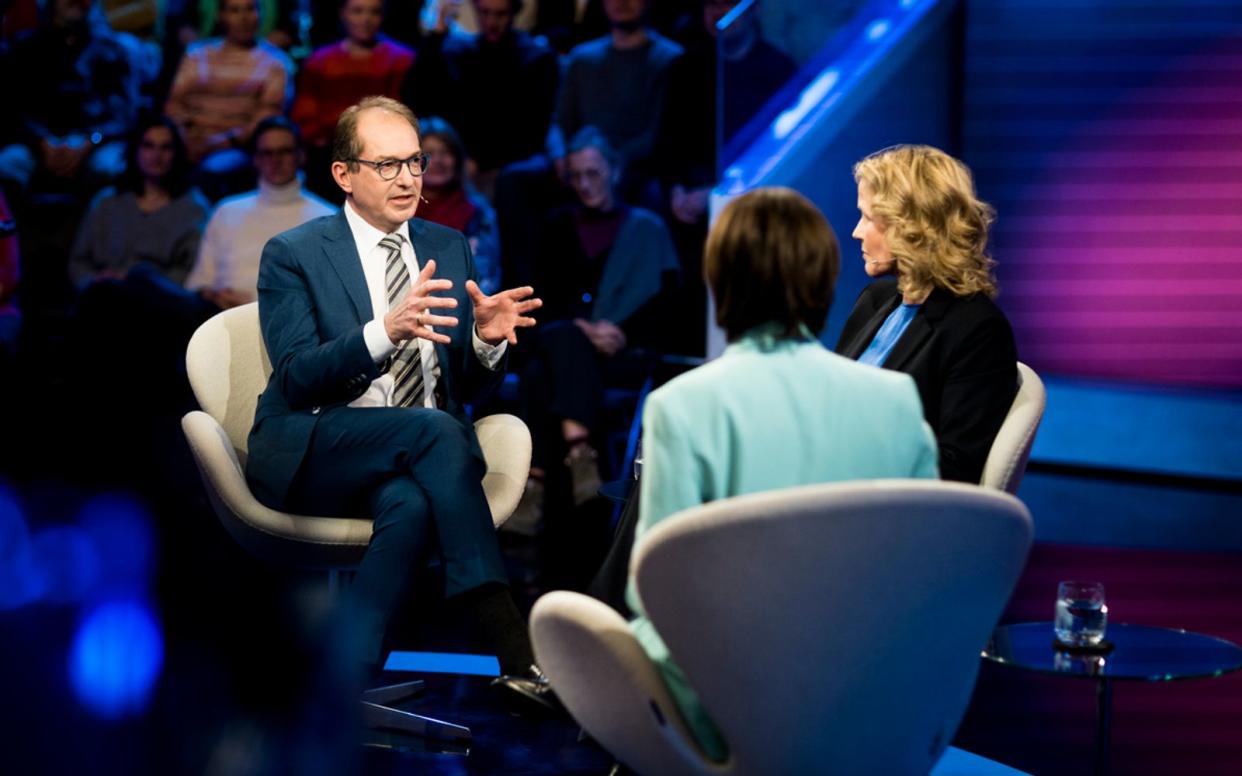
x=499, y=316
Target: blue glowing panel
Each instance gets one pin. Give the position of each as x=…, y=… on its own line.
x=121, y=531
x=116, y=658
x=443, y=663
x=19, y=584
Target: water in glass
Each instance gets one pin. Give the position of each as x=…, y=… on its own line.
x=1081, y=614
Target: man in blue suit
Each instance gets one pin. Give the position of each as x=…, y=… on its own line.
x=378, y=334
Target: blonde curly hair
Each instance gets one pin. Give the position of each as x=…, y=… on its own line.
x=936, y=227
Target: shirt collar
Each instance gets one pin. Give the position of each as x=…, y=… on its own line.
x=366, y=237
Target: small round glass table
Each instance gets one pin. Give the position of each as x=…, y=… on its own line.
x=1139, y=653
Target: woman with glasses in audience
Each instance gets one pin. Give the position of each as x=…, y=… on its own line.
x=924, y=233
x=604, y=272
x=450, y=200
x=777, y=409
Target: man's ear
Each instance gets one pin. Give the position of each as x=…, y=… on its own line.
x=340, y=174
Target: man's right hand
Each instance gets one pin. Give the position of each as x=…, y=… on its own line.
x=409, y=317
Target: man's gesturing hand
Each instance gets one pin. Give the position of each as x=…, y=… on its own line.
x=409, y=317
x=499, y=316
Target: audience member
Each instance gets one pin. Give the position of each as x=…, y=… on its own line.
x=616, y=83
x=338, y=75
x=604, y=273
x=497, y=87
x=450, y=200
x=227, y=270
x=365, y=410
x=153, y=216
x=73, y=95
x=776, y=409
x=934, y=319
x=223, y=88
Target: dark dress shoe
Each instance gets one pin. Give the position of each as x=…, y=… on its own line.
x=531, y=690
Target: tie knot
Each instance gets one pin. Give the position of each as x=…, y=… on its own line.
x=392, y=242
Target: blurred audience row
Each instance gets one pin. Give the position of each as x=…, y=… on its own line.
x=151, y=151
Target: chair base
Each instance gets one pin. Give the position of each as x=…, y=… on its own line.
x=376, y=713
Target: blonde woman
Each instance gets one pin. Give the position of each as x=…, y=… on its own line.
x=924, y=232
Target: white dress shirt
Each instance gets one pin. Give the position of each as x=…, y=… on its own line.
x=374, y=265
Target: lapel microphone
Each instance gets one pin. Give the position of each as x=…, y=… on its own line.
x=424, y=199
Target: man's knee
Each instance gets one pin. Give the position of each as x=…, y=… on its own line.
x=400, y=513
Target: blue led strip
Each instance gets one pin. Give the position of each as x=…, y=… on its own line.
x=443, y=663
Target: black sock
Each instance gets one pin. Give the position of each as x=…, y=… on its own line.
x=503, y=627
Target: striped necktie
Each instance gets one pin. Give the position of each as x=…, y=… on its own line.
x=406, y=365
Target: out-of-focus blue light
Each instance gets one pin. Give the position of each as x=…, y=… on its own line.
x=811, y=96
x=120, y=530
x=116, y=658
x=877, y=29
x=586, y=298
x=66, y=564
x=19, y=579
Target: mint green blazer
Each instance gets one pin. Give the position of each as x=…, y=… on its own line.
x=769, y=413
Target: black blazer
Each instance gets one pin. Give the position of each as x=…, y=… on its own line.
x=961, y=354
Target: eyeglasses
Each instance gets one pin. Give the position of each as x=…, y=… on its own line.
x=391, y=168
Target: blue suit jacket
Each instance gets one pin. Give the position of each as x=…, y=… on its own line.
x=313, y=303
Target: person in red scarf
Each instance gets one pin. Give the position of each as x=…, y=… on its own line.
x=450, y=200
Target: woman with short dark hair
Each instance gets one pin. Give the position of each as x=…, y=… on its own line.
x=932, y=317
x=777, y=409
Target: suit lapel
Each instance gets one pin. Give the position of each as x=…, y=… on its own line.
x=342, y=254
x=867, y=333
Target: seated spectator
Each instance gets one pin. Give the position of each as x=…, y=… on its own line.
x=227, y=270
x=777, y=409
x=497, y=87
x=603, y=273
x=450, y=200
x=340, y=74
x=223, y=88
x=933, y=318
x=72, y=95
x=616, y=84
x=153, y=216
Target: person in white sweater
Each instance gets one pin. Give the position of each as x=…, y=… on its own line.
x=227, y=269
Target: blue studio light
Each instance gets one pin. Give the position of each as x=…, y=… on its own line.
x=120, y=530
x=116, y=658
x=19, y=580
x=66, y=564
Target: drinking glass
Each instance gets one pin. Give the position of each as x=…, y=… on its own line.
x=1082, y=615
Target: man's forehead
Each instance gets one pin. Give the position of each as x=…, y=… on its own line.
x=275, y=138
x=386, y=135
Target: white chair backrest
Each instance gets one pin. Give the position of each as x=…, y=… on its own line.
x=1006, y=462
x=228, y=368
x=835, y=627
